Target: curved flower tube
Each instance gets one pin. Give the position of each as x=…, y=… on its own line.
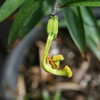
x=52, y=29
x=62, y=72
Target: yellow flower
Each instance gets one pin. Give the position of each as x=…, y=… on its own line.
x=57, y=58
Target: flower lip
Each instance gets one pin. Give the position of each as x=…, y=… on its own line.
x=57, y=57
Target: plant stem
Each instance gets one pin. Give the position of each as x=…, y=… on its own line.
x=54, y=9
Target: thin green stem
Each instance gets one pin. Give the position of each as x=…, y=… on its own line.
x=54, y=9
x=46, y=51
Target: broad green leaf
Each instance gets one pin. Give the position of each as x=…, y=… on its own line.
x=27, y=10
x=93, y=47
x=9, y=7
x=34, y=19
x=92, y=31
x=90, y=25
x=98, y=22
x=82, y=3
x=75, y=26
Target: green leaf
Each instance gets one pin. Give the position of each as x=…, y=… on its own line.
x=35, y=18
x=75, y=26
x=92, y=31
x=90, y=25
x=9, y=7
x=45, y=95
x=57, y=96
x=82, y=3
x=23, y=16
x=93, y=47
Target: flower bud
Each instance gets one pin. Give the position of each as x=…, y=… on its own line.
x=52, y=26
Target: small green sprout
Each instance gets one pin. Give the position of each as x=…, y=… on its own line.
x=52, y=65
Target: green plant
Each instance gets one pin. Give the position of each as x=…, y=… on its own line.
x=80, y=21
x=48, y=64
x=46, y=95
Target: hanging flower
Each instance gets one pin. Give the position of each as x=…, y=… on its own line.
x=52, y=65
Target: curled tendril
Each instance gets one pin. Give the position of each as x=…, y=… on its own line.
x=52, y=65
